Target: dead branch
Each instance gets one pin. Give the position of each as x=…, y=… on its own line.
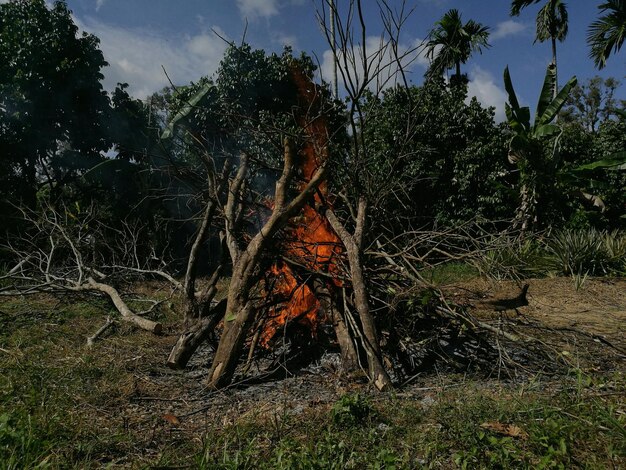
x=353, y=244
x=239, y=308
x=193, y=300
x=150, y=272
x=92, y=339
x=120, y=305
x=42, y=268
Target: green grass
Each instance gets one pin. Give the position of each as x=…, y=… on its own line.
x=450, y=272
x=50, y=383
x=560, y=430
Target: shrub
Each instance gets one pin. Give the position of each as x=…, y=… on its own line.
x=575, y=252
x=506, y=257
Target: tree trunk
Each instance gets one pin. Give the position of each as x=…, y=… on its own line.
x=192, y=307
x=352, y=243
x=526, y=216
x=556, y=71
x=349, y=357
x=236, y=325
x=194, y=336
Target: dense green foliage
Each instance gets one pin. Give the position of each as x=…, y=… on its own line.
x=59, y=130
x=249, y=104
x=54, y=108
x=432, y=155
x=606, y=35
x=437, y=158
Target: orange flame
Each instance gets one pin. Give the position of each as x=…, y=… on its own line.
x=312, y=242
x=302, y=305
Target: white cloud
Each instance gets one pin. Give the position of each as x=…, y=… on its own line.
x=138, y=57
x=507, y=28
x=286, y=40
x=253, y=9
x=412, y=55
x=99, y=4
x=484, y=88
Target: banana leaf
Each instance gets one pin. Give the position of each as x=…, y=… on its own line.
x=546, y=95
x=508, y=86
x=617, y=161
x=547, y=130
x=186, y=110
x=557, y=103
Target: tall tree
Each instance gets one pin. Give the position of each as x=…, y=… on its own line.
x=606, y=35
x=451, y=43
x=552, y=24
x=592, y=102
x=53, y=119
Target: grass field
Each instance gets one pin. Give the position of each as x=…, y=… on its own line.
x=63, y=405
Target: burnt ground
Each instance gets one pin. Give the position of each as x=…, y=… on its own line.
x=128, y=410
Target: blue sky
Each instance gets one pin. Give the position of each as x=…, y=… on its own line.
x=138, y=37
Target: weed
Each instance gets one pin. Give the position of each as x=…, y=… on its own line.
x=351, y=410
x=450, y=272
x=509, y=258
x=22, y=445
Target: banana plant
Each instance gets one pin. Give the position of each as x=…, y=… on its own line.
x=534, y=145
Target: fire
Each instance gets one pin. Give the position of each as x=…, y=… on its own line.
x=312, y=242
x=301, y=305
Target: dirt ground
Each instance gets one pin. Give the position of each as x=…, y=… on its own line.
x=598, y=307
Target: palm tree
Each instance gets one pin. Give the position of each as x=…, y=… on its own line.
x=451, y=43
x=607, y=34
x=552, y=24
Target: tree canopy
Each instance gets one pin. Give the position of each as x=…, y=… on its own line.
x=452, y=42
x=54, y=107
x=606, y=35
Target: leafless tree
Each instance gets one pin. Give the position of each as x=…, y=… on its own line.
x=59, y=254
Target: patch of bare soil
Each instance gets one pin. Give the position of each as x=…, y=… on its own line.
x=598, y=307
x=588, y=323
